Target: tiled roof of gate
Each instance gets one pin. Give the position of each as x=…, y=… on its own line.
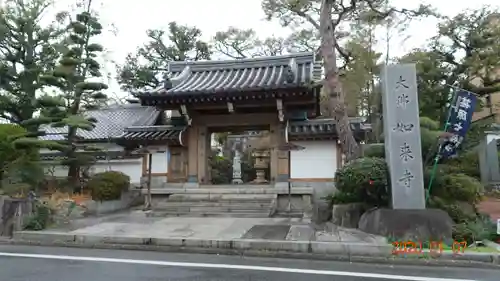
x=255, y=74
x=111, y=122
x=152, y=133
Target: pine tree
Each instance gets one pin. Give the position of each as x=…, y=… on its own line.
x=73, y=75
x=143, y=69
x=27, y=50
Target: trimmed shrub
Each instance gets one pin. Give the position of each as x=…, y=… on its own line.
x=341, y=198
x=453, y=185
x=461, y=187
x=374, y=150
x=428, y=140
x=467, y=163
x=108, y=185
x=366, y=179
x=428, y=123
x=457, y=211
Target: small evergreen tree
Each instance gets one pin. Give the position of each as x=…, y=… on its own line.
x=18, y=163
x=75, y=77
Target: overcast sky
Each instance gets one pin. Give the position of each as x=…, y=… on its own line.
x=133, y=18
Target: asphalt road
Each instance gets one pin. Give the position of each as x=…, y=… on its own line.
x=31, y=263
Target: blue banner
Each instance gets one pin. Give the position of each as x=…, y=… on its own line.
x=459, y=122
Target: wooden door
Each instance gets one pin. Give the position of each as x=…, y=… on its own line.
x=177, y=168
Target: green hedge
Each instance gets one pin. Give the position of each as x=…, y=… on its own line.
x=467, y=163
x=108, y=185
x=365, y=179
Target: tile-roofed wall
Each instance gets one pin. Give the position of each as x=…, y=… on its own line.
x=288, y=71
x=324, y=126
x=111, y=122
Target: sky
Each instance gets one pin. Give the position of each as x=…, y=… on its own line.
x=132, y=18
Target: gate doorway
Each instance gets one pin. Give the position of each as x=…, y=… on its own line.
x=239, y=155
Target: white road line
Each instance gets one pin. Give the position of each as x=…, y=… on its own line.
x=233, y=266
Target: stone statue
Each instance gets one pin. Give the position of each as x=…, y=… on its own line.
x=236, y=165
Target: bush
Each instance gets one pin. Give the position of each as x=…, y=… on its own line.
x=428, y=141
x=341, y=198
x=428, y=123
x=479, y=229
x=461, y=187
x=467, y=163
x=457, y=211
x=365, y=179
x=40, y=219
x=462, y=232
x=221, y=169
x=453, y=185
x=108, y=185
x=374, y=150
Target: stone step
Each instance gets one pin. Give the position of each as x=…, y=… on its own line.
x=261, y=214
x=237, y=186
x=214, y=210
x=216, y=190
x=289, y=215
x=226, y=204
x=229, y=196
x=215, y=200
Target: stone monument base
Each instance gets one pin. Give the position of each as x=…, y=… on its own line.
x=408, y=225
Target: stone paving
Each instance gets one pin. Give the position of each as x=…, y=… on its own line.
x=279, y=237
x=137, y=224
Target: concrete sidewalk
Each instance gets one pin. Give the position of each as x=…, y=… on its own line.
x=255, y=236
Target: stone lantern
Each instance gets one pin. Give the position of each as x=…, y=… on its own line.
x=260, y=146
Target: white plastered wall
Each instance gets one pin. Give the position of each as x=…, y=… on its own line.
x=317, y=161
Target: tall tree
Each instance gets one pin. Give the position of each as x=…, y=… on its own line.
x=359, y=74
x=464, y=53
x=332, y=84
x=244, y=43
x=76, y=76
x=433, y=94
x=27, y=49
x=468, y=44
x=329, y=18
x=304, y=40
x=144, y=69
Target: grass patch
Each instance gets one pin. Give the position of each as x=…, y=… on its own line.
x=478, y=249
x=483, y=249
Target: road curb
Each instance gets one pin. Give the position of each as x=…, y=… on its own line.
x=353, y=252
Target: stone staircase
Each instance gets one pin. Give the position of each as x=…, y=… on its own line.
x=220, y=201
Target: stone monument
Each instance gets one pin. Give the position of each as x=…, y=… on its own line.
x=403, y=149
x=408, y=219
x=237, y=168
x=488, y=159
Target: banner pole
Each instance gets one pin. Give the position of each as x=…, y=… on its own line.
x=436, y=159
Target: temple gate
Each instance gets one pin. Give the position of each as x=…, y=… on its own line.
x=270, y=106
